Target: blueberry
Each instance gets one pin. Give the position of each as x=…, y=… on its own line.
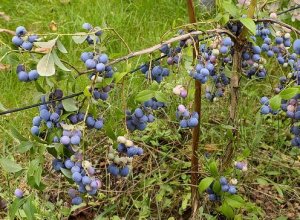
x=32, y=38
x=86, y=180
x=35, y=130
x=232, y=190
x=33, y=75
x=103, y=58
x=65, y=140
x=27, y=45
x=100, y=67
x=113, y=169
x=77, y=200
x=20, y=31
x=36, y=121
x=76, y=177
x=98, y=124
x=69, y=164
x=75, y=140
x=19, y=193
x=45, y=114
x=124, y=171
x=23, y=76
x=17, y=41
x=87, y=26
x=223, y=181
x=90, y=64
x=72, y=193
x=75, y=168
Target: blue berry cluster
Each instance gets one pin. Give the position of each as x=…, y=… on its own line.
x=83, y=174
x=91, y=122
x=21, y=39
x=101, y=93
x=226, y=187
x=153, y=104
x=121, y=159
x=138, y=119
x=240, y=165
x=50, y=119
x=157, y=72
x=266, y=108
x=71, y=137
x=76, y=117
x=93, y=37
x=24, y=76
x=187, y=120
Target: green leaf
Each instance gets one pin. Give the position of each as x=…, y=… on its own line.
x=14, y=207
x=226, y=210
x=262, y=181
x=38, y=176
x=289, y=93
x=86, y=91
x=231, y=8
x=225, y=19
x=29, y=210
x=79, y=38
x=69, y=105
x=160, y=96
x=213, y=168
x=119, y=76
x=9, y=165
x=275, y=102
x=45, y=66
x=24, y=147
x=249, y=24
x=58, y=62
x=66, y=172
x=235, y=201
x=205, y=183
x=61, y=47
x=144, y=95
x=49, y=44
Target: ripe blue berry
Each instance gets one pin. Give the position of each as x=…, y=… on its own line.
x=124, y=171
x=75, y=140
x=35, y=130
x=76, y=177
x=77, y=200
x=33, y=75
x=23, y=76
x=20, y=31
x=19, y=193
x=17, y=41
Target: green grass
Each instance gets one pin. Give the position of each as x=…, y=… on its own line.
x=160, y=184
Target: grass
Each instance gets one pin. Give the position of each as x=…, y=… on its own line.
x=160, y=184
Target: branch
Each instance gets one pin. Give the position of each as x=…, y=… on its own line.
x=39, y=104
x=170, y=41
x=278, y=22
x=7, y=31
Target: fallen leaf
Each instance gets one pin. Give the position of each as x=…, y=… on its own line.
x=53, y=26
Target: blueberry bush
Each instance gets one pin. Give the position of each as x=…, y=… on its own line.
x=119, y=138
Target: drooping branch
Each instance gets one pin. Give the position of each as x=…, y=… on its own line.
x=170, y=41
